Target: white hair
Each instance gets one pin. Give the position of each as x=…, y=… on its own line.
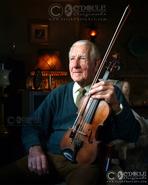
x=94, y=52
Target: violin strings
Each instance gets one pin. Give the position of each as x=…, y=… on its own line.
x=88, y=114
x=80, y=113
x=83, y=124
x=80, y=117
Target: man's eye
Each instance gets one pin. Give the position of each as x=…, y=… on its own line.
x=83, y=58
x=72, y=58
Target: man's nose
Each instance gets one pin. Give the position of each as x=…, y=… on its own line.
x=77, y=62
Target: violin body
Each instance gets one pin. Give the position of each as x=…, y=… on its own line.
x=81, y=145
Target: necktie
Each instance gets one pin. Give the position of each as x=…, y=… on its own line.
x=81, y=93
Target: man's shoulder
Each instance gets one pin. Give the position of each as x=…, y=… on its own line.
x=63, y=88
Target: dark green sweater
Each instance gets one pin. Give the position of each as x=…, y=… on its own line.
x=58, y=112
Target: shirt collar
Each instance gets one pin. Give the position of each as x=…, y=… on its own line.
x=76, y=87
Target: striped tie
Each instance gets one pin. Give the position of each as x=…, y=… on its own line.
x=81, y=93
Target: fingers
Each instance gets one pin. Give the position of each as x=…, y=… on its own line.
x=38, y=164
x=106, y=91
x=31, y=164
x=102, y=90
x=44, y=165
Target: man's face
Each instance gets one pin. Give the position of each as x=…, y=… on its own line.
x=82, y=69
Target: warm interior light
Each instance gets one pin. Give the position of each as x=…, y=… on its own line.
x=49, y=62
x=93, y=33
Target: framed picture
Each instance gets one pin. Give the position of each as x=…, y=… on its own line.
x=39, y=33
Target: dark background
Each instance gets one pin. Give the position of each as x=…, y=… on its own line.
x=19, y=54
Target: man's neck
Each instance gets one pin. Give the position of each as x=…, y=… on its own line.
x=83, y=84
x=86, y=86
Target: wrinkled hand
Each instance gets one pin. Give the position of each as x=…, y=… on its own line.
x=37, y=160
x=105, y=90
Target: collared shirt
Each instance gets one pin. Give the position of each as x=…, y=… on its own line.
x=76, y=88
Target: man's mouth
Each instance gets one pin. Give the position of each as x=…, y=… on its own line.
x=77, y=72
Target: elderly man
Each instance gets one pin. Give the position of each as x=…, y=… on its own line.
x=57, y=114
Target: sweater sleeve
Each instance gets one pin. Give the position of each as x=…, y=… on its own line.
x=35, y=126
x=122, y=126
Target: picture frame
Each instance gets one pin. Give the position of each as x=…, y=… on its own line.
x=39, y=33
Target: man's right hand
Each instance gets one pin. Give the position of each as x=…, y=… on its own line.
x=37, y=160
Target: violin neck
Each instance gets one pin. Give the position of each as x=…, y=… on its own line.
x=93, y=103
x=106, y=75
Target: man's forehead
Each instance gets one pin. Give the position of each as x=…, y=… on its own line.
x=80, y=49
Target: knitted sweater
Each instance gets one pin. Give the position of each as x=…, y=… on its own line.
x=47, y=125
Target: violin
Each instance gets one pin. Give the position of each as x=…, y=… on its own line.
x=79, y=144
